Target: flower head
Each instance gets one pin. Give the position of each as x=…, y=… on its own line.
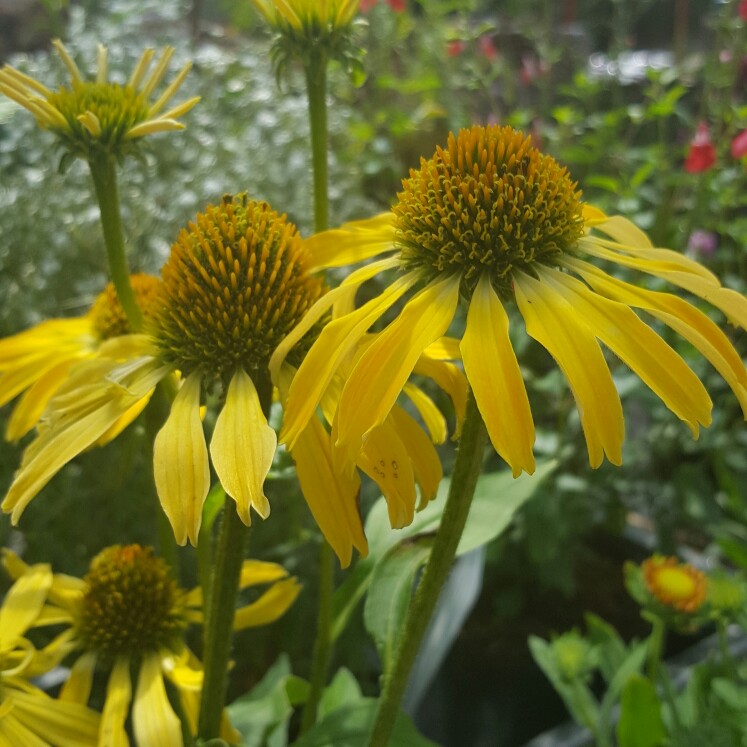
x=674, y=584
x=128, y=613
x=99, y=116
x=36, y=362
x=489, y=221
x=238, y=280
x=701, y=154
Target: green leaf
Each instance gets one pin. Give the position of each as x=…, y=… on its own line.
x=610, y=647
x=629, y=668
x=389, y=596
x=350, y=726
x=640, y=723
x=262, y=715
x=344, y=690
x=497, y=497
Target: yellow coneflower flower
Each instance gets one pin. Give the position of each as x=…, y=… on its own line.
x=313, y=19
x=674, y=584
x=128, y=612
x=237, y=281
x=95, y=116
x=491, y=220
x=28, y=716
x=36, y=362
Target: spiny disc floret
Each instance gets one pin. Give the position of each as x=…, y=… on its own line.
x=132, y=605
x=107, y=315
x=235, y=285
x=488, y=203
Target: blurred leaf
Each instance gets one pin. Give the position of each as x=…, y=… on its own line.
x=630, y=667
x=344, y=690
x=350, y=726
x=640, y=723
x=611, y=650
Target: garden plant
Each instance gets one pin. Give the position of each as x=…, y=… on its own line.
x=340, y=335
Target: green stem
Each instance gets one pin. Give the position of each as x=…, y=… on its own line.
x=316, y=89
x=323, y=643
x=221, y=606
x=103, y=171
x=463, y=481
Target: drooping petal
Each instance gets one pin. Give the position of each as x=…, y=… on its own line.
x=449, y=377
x=444, y=349
x=385, y=460
x=332, y=495
x=77, y=688
x=272, y=605
x=493, y=373
x=681, y=316
x=117, y=705
x=552, y=321
x=23, y=602
x=434, y=420
x=352, y=242
x=153, y=719
x=381, y=373
x=425, y=460
x=335, y=342
x=243, y=446
x=658, y=365
x=180, y=463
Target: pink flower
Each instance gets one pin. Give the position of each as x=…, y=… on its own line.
x=366, y=5
x=455, y=47
x=487, y=47
x=739, y=143
x=701, y=154
x=702, y=243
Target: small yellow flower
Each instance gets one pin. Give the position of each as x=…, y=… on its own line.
x=674, y=584
x=28, y=716
x=129, y=612
x=237, y=282
x=36, y=362
x=491, y=221
x=95, y=116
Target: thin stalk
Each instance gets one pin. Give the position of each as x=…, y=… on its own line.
x=103, y=171
x=463, y=481
x=323, y=643
x=221, y=606
x=316, y=89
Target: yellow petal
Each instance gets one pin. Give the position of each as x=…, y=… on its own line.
x=450, y=378
x=432, y=417
x=444, y=349
x=424, y=458
x=332, y=495
x=269, y=607
x=77, y=688
x=618, y=228
x=180, y=463
x=493, y=373
x=23, y=603
x=153, y=719
x=658, y=365
x=385, y=460
x=116, y=706
x=681, y=316
x=554, y=323
x=67, y=59
x=124, y=420
x=382, y=371
x=352, y=242
x=243, y=447
x=336, y=341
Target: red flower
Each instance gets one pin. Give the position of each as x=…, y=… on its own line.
x=366, y=5
x=701, y=155
x=455, y=47
x=739, y=144
x=398, y=6
x=487, y=47
x=743, y=10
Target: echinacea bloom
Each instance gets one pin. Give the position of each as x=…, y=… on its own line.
x=739, y=145
x=128, y=615
x=491, y=221
x=677, y=585
x=36, y=362
x=28, y=716
x=238, y=280
x=701, y=154
x=99, y=116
